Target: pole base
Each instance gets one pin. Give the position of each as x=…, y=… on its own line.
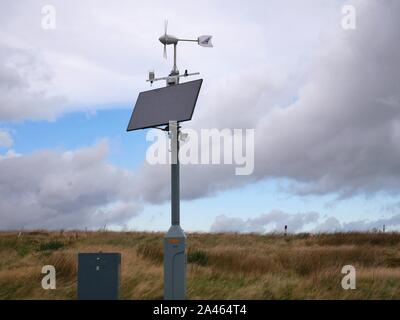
x=175, y=264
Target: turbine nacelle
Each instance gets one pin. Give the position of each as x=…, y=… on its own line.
x=167, y=39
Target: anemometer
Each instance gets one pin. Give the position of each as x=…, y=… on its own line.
x=166, y=39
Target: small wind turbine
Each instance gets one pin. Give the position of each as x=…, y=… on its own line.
x=167, y=39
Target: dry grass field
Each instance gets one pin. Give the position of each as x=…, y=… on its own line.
x=220, y=266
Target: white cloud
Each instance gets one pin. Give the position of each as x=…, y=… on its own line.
x=339, y=136
x=223, y=223
x=331, y=224
x=99, y=54
x=275, y=221
x=272, y=221
x=26, y=88
x=9, y=154
x=390, y=223
x=76, y=189
x=6, y=140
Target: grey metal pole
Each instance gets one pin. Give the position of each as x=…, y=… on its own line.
x=175, y=192
x=175, y=239
x=175, y=68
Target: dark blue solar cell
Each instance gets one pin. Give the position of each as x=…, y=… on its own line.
x=159, y=106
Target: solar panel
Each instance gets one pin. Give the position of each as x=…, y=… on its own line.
x=159, y=106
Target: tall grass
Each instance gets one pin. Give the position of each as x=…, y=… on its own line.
x=220, y=266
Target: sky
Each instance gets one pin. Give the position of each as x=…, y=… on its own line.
x=323, y=101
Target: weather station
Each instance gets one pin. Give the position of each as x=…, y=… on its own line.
x=165, y=108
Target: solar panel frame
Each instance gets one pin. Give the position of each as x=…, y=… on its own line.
x=180, y=99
